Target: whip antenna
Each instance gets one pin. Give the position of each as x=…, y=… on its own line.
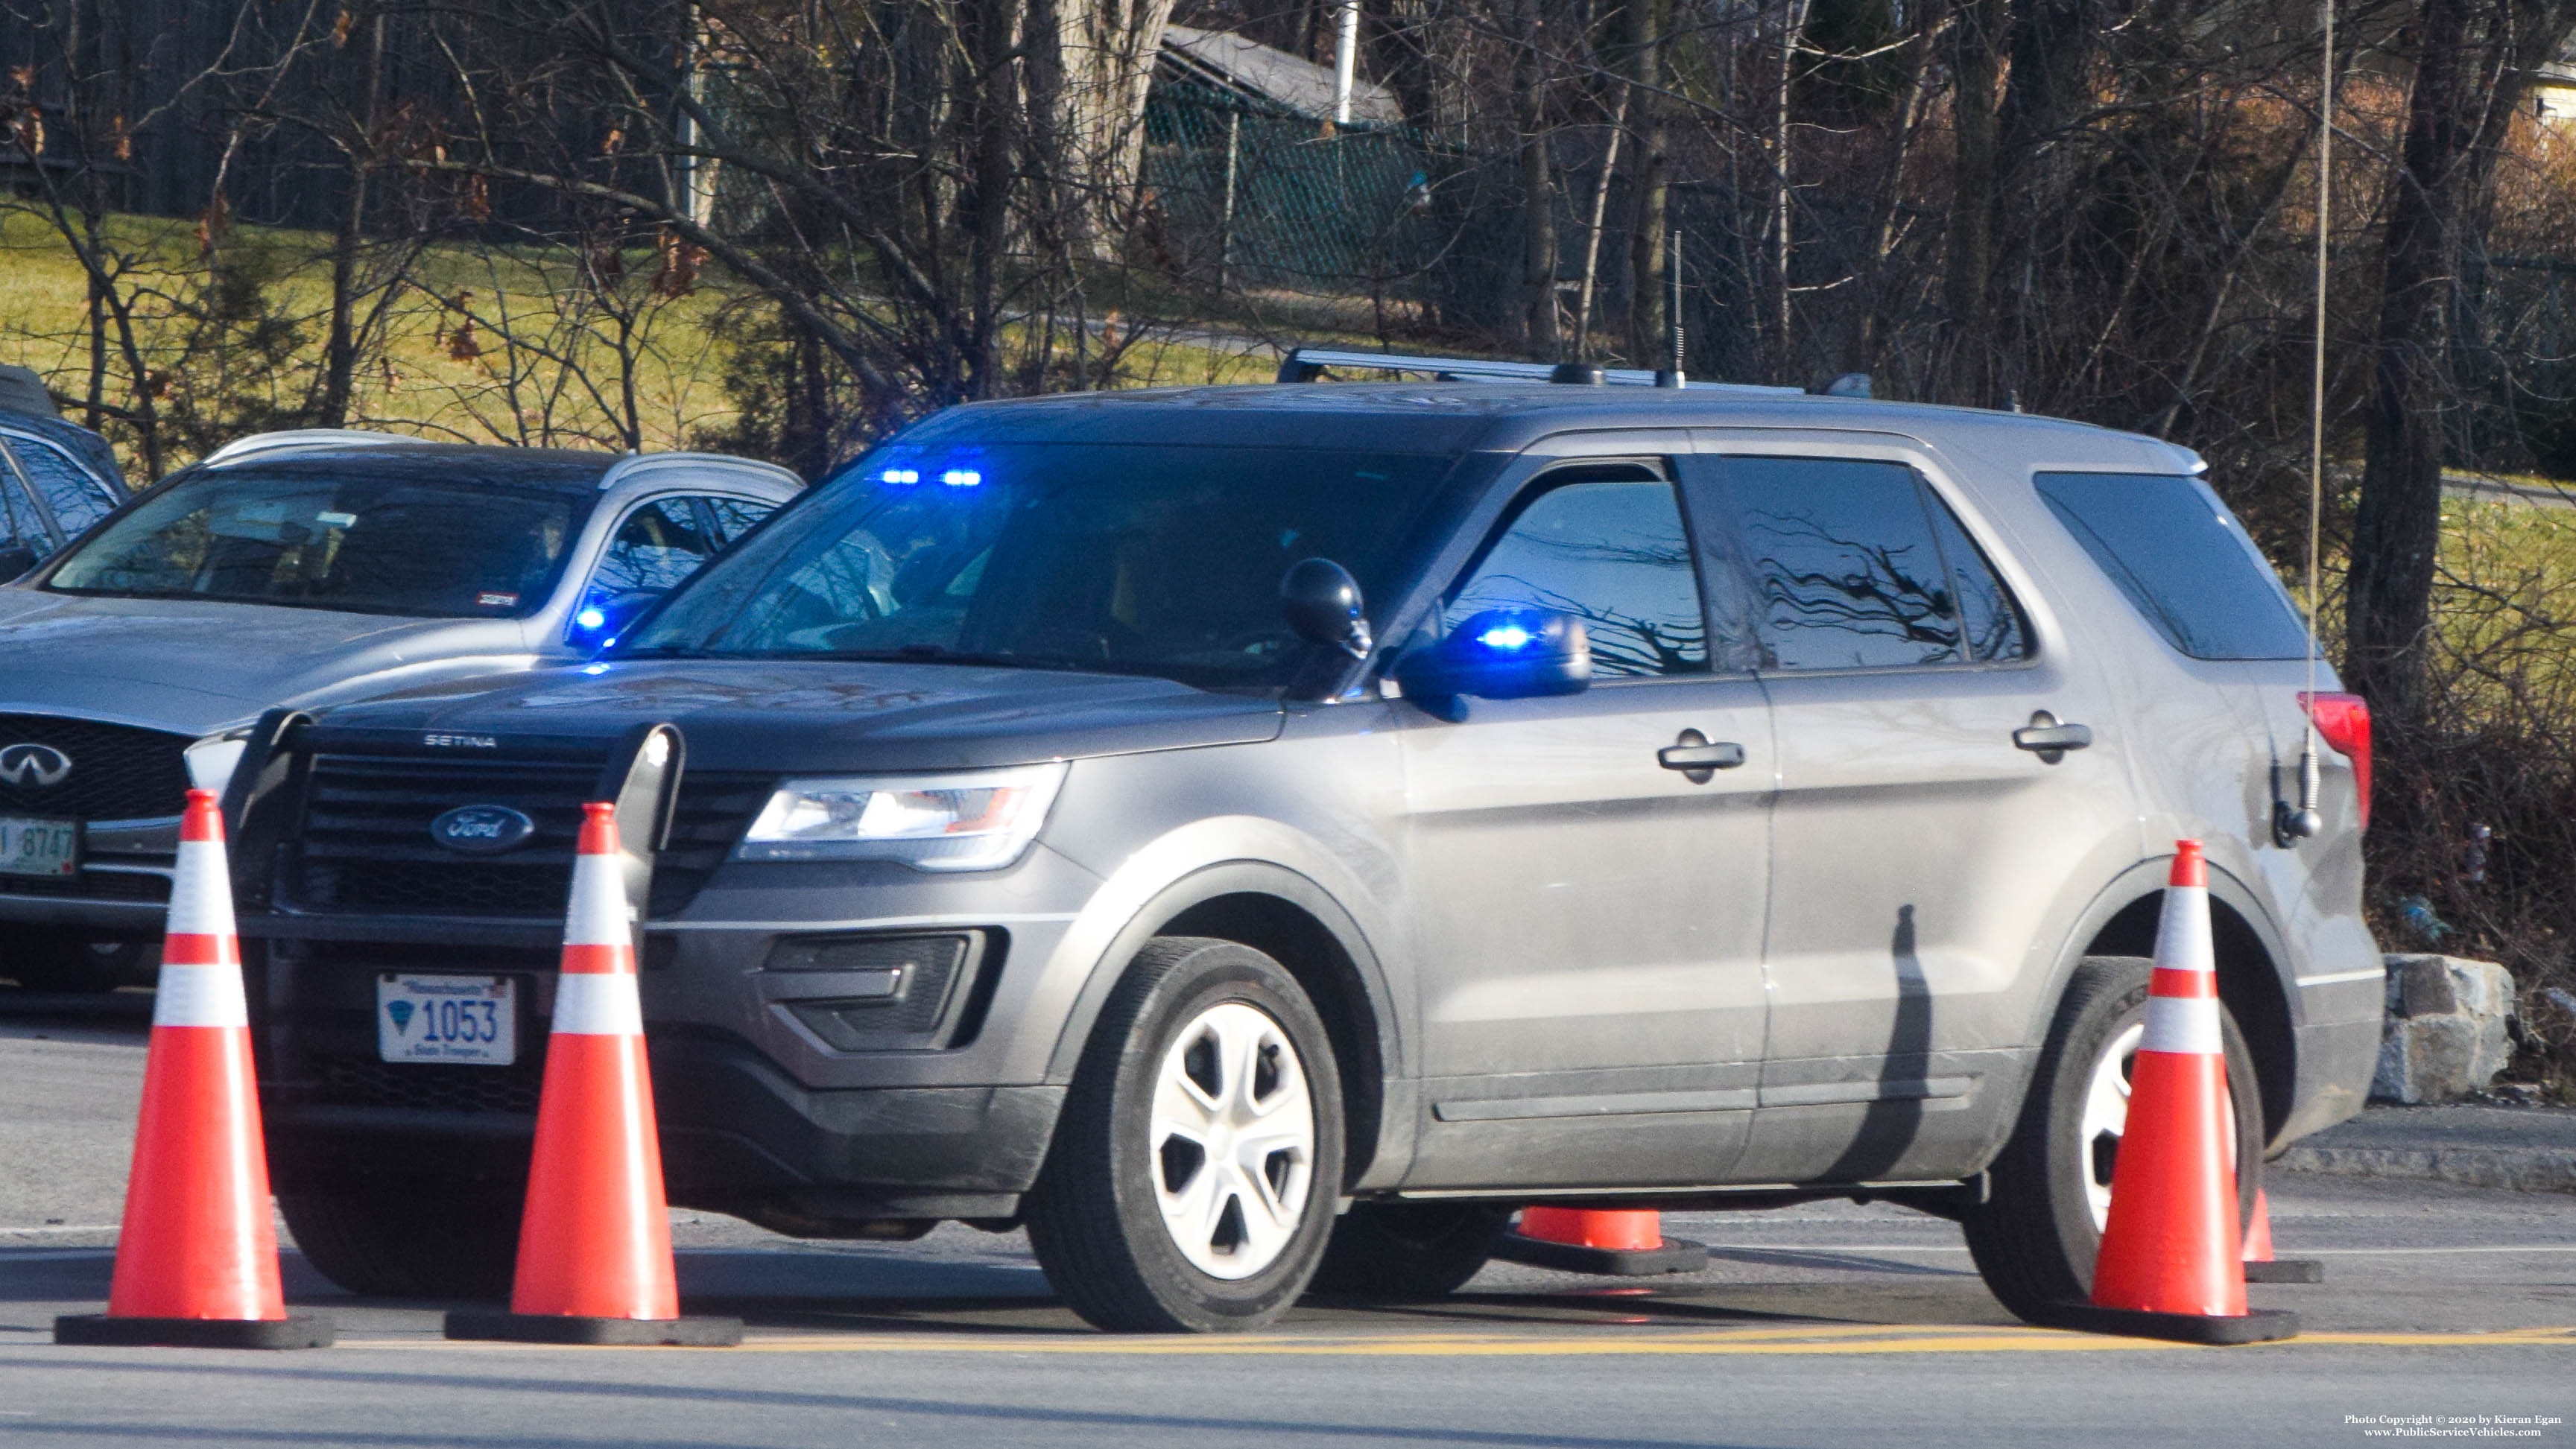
x=2305, y=821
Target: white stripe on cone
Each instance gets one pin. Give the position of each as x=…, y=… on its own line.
x=598, y=915
x=200, y=996
x=597, y=1003
x=2182, y=932
x=2184, y=1024
x=2178, y=1024
x=201, y=891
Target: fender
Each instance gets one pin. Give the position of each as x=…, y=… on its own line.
x=1223, y=856
x=2147, y=878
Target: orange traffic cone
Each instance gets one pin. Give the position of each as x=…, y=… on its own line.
x=196, y=1262
x=2172, y=1264
x=2261, y=1266
x=595, y=1241
x=1627, y=1243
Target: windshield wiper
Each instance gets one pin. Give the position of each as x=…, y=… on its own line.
x=942, y=654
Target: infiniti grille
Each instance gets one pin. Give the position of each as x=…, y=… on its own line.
x=118, y=772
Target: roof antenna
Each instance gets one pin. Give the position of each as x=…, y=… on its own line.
x=1673, y=376
x=2292, y=826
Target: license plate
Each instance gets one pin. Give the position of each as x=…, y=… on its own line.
x=447, y=1019
x=39, y=847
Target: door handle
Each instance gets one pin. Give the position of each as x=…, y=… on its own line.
x=1696, y=758
x=2045, y=737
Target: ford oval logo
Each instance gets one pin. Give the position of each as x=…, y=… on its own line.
x=481, y=829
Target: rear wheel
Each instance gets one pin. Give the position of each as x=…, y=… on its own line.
x=1191, y=1183
x=410, y=1239
x=2036, y=1236
x=1401, y=1250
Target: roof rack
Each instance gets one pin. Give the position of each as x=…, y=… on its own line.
x=1307, y=364
x=634, y=463
x=240, y=448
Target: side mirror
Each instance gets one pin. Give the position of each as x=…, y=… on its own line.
x=1322, y=602
x=16, y=559
x=600, y=620
x=1502, y=654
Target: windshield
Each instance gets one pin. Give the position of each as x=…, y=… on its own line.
x=310, y=538
x=1138, y=559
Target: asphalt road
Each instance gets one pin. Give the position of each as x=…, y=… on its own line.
x=1823, y=1325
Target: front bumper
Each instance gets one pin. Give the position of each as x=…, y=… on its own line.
x=736, y=1137
x=122, y=891
x=768, y=1108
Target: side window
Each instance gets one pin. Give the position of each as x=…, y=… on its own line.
x=1990, y=623
x=1846, y=566
x=734, y=517
x=77, y=498
x=659, y=544
x=1611, y=551
x=21, y=526
x=2183, y=559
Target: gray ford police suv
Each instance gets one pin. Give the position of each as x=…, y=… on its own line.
x=1256, y=837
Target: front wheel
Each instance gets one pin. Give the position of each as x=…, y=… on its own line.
x=2038, y=1232
x=1191, y=1184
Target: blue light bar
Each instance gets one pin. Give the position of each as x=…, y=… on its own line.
x=961, y=477
x=901, y=475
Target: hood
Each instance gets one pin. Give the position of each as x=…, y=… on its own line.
x=830, y=716
x=192, y=667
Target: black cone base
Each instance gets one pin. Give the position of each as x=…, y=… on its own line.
x=2261, y=1325
x=2286, y=1270
x=693, y=1332
x=303, y=1330
x=1676, y=1255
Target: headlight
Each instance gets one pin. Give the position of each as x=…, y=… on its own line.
x=211, y=760
x=975, y=821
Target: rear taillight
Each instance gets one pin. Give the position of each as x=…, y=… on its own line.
x=2343, y=722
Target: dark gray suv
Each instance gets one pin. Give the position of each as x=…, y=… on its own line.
x=1256, y=837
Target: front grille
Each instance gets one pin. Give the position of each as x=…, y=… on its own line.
x=366, y=846
x=118, y=772
x=346, y=1079
x=90, y=885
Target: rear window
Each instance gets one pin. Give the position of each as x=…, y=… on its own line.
x=2183, y=559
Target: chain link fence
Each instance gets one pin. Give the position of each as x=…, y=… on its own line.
x=1243, y=198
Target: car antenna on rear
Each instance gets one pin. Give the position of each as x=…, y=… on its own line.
x=1673, y=376
x=2304, y=822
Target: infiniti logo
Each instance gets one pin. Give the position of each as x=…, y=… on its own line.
x=481, y=829
x=33, y=764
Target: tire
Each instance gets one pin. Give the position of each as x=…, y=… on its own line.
x=410, y=1238
x=1396, y=1251
x=1247, y=1241
x=2035, y=1238
x=51, y=961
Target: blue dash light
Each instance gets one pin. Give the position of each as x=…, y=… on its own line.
x=901, y=475
x=961, y=477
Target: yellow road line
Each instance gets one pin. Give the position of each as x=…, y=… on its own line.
x=1823, y=1339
